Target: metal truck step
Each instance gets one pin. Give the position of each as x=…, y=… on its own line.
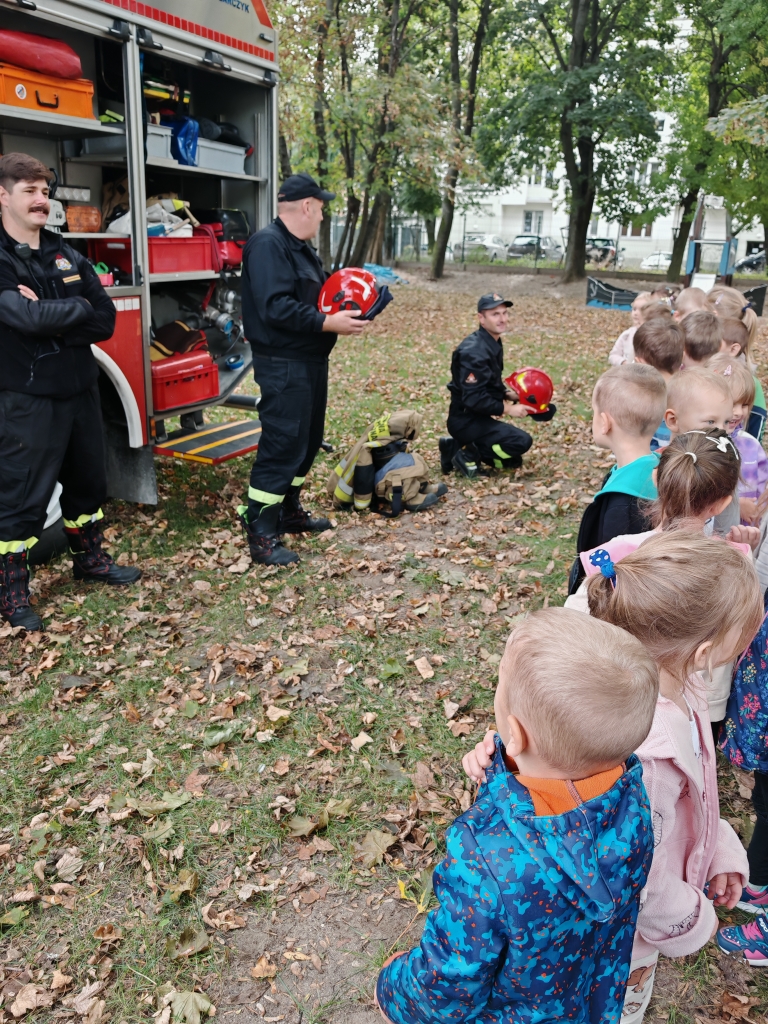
x=215, y=443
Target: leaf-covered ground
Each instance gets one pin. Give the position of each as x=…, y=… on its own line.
x=226, y=786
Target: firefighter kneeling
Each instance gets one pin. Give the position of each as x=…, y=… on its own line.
x=479, y=398
x=52, y=307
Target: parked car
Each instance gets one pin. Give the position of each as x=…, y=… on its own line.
x=495, y=248
x=540, y=247
x=657, y=261
x=752, y=264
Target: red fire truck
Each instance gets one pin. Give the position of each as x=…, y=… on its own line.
x=176, y=103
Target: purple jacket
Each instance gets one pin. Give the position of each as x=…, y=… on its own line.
x=754, y=464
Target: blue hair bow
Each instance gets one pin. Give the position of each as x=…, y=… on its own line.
x=602, y=561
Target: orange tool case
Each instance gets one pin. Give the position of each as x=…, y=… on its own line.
x=72, y=97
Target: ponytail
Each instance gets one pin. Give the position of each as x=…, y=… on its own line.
x=730, y=302
x=677, y=591
x=696, y=470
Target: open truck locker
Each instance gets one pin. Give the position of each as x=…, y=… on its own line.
x=111, y=131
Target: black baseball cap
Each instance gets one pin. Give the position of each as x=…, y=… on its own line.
x=302, y=186
x=491, y=301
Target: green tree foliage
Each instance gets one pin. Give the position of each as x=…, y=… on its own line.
x=717, y=65
x=583, y=78
x=361, y=106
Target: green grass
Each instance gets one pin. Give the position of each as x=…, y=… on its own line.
x=155, y=646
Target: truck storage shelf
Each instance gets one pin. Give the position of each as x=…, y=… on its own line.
x=172, y=165
x=41, y=122
x=114, y=160
x=92, y=234
x=184, y=275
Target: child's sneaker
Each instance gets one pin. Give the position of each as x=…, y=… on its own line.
x=747, y=941
x=754, y=899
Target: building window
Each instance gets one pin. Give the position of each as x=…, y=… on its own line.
x=533, y=221
x=638, y=229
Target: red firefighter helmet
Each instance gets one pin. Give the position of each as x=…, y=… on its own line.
x=533, y=387
x=353, y=288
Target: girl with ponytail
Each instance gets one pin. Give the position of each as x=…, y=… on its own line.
x=694, y=603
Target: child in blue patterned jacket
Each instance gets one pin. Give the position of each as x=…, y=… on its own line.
x=540, y=887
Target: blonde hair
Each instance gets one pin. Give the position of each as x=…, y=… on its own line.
x=677, y=591
x=640, y=300
x=730, y=302
x=690, y=299
x=736, y=372
x=696, y=470
x=585, y=689
x=659, y=342
x=694, y=379
x=634, y=395
x=703, y=335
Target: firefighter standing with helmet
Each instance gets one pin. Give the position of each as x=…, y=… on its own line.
x=479, y=398
x=52, y=307
x=291, y=341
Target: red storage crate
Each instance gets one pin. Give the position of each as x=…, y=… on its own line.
x=166, y=255
x=184, y=380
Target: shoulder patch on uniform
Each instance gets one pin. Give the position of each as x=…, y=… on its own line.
x=63, y=263
x=471, y=379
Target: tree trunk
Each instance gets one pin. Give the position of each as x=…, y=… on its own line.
x=578, y=228
x=376, y=251
x=285, y=158
x=367, y=227
x=446, y=222
x=688, y=206
x=350, y=222
x=352, y=229
x=320, y=129
x=429, y=225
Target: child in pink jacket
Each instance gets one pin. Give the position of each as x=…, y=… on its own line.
x=698, y=861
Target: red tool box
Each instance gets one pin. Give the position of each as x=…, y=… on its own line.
x=166, y=255
x=184, y=380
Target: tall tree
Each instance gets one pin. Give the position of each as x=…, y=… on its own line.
x=710, y=76
x=584, y=76
x=463, y=107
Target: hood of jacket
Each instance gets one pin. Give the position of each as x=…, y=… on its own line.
x=636, y=478
x=581, y=853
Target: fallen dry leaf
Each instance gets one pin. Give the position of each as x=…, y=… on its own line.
x=196, y=782
x=81, y=1002
x=69, y=865
x=375, y=844
x=191, y=941
x=108, y=934
x=187, y=1006
x=276, y=714
x=424, y=669
x=360, y=741
x=31, y=997
x=220, y=827
x=263, y=969
x=60, y=980
x=226, y=921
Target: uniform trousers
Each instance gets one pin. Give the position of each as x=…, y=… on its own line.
x=294, y=394
x=497, y=443
x=43, y=440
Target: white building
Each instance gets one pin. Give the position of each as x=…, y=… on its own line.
x=536, y=205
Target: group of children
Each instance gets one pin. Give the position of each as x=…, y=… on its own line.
x=595, y=842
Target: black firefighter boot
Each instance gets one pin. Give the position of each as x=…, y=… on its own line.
x=14, y=592
x=263, y=538
x=295, y=519
x=90, y=562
